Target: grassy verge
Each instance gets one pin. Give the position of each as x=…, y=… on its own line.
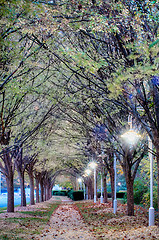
x=28, y=226
x=106, y=225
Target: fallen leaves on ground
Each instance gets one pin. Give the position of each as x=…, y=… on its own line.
x=107, y=225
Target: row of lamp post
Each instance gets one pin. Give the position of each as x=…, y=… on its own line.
x=131, y=135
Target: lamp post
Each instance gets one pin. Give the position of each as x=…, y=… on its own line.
x=87, y=173
x=101, y=156
x=132, y=136
x=115, y=176
x=101, y=196
x=151, y=209
x=80, y=182
x=93, y=165
x=0, y=182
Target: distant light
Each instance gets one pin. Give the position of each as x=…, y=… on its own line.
x=93, y=165
x=79, y=180
x=88, y=172
x=131, y=136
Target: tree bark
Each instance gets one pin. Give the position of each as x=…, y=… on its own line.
x=10, y=191
x=111, y=172
x=130, y=196
x=157, y=152
x=37, y=189
x=31, y=178
x=105, y=188
x=22, y=188
x=42, y=191
x=45, y=193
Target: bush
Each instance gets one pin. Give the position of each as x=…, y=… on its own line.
x=59, y=192
x=118, y=194
x=146, y=199
x=139, y=190
x=75, y=195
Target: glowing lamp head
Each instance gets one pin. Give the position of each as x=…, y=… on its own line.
x=131, y=136
x=79, y=180
x=87, y=172
x=93, y=165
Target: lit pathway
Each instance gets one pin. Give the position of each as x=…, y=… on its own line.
x=66, y=224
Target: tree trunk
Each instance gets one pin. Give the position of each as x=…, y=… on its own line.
x=157, y=152
x=37, y=190
x=31, y=178
x=22, y=188
x=10, y=191
x=45, y=187
x=105, y=188
x=91, y=188
x=130, y=196
x=48, y=191
x=42, y=191
x=111, y=172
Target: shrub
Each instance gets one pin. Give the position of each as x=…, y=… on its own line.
x=139, y=190
x=146, y=199
x=76, y=195
x=59, y=192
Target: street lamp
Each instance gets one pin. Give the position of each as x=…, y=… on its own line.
x=132, y=137
x=101, y=196
x=151, y=209
x=0, y=183
x=80, y=182
x=87, y=172
x=115, y=176
x=82, y=185
x=93, y=165
x=101, y=156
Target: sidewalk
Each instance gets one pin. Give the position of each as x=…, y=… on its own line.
x=66, y=224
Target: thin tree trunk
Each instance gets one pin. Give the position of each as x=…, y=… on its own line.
x=105, y=188
x=42, y=191
x=10, y=191
x=37, y=190
x=111, y=172
x=45, y=198
x=31, y=178
x=91, y=189
x=157, y=150
x=47, y=192
x=22, y=189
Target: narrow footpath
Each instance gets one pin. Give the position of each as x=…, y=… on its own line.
x=66, y=224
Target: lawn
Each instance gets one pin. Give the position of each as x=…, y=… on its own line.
x=104, y=224
x=25, y=224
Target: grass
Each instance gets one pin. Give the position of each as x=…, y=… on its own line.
x=26, y=227
x=101, y=219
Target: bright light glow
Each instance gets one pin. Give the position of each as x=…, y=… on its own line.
x=79, y=180
x=88, y=172
x=93, y=165
x=131, y=136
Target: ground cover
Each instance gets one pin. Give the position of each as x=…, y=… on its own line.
x=106, y=225
x=61, y=218
x=26, y=222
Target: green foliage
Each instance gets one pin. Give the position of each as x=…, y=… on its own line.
x=59, y=192
x=76, y=195
x=139, y=190
x=146, y=199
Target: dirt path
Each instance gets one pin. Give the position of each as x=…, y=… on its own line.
x=66, y=224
